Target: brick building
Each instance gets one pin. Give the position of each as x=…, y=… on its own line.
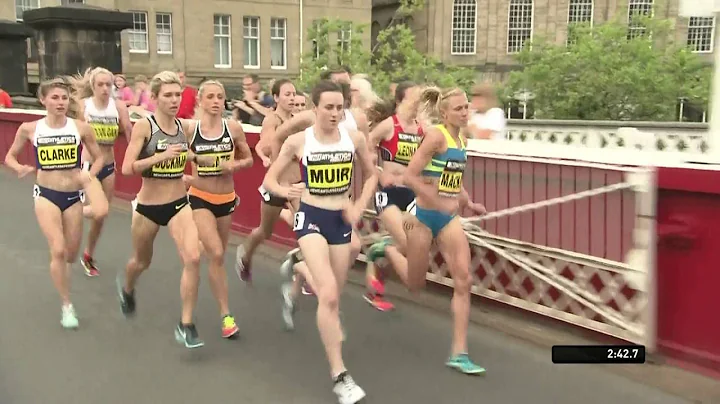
x=486, y=33
x=213, y=38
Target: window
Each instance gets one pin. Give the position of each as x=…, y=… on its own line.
x=701, y=34
x=138, y=34
x=344, y=41
x=66, y=2
x=520, y=24
x=22, y=6
x=464, y=27
x=163, y=33
x=580, y=12
x=251, y=38
x=223, y=44
x=638, y=8
x=278, y=43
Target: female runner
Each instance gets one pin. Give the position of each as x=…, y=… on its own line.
x=323, y=223
x=60, y=183
x=212, y=188
x=108, y=119
x=398, y=136
x=283, y=92
x=435, y=175
x=158, y=150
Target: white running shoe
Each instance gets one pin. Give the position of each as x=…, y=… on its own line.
x=69, y=317
x=288, y=306
x=347, y=391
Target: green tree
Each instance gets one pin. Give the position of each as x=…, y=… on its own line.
x=395, y=55
x=602, y=74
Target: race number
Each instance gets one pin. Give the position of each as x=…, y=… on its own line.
x=381, y=199
x=299, y=221
x=36, y=191
x=264, y=193
x=411, y=207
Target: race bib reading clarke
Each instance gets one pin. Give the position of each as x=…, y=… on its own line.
x=58, y=152
x=329, y=173
x=406, y=148
x=451, y=178
x=106, y=129
x=171, y=168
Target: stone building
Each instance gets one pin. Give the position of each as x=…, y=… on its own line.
x=212, y=38
x=486, y=33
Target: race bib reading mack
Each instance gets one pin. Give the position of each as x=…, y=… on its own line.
x=58, y=152
x=451, y=178
x=329, y=173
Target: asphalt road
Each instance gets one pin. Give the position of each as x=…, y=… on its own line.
x=397, y=357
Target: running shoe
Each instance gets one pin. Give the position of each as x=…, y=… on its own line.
x=127, y=300
x=307, y=290
x=377, y=250
x=288, y=306
x=378, y=301
x=376, y=285
x=69, y=317
x=347, y=391
x=463, y=364
x=286, y=268
x=88, y=263
x=242, y=267
x=186, y=334
x=229, y=327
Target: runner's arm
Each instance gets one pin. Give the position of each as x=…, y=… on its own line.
x=287, y=154
x=124, y=120
x=370, y=182
x=243, y=155
x=433, y=142
x=264, y=146
x=138, y=137
x=21, y=136
x=88, y=139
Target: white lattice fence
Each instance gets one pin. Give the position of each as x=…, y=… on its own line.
x=615, y=298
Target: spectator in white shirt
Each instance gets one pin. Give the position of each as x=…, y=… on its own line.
x=487, y=120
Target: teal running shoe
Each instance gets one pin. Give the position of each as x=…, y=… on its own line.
x=463, y=364
x=377, y=250
x=69, y=317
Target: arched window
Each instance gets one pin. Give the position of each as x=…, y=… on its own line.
x=464, y=27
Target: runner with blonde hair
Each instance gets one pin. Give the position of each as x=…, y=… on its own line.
x=108, y=119
x=60, y=183
x=158, y=150
x=212, y=188
x=435, y=174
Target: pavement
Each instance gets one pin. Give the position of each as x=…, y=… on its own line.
x=396, y=357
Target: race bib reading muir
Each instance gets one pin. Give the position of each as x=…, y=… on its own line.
x=451, y=178
x=329, y=173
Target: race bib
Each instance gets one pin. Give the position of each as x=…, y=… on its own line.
x=299, y=222
x=381, y=199
x=264, y=193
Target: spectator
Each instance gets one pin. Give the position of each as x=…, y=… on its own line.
x=487, y=120
x=188, y=100
x=255, y=103
x=5, y=100
x=121, y=91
